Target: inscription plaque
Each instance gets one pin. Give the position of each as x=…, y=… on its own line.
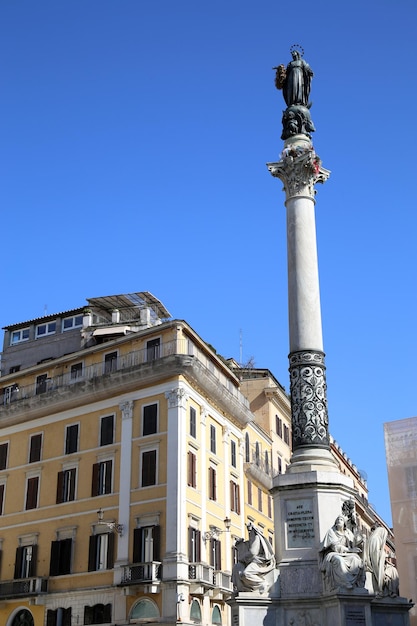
x=300, y=523
x=355, y=616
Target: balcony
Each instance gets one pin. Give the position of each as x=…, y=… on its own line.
x=201, y=577
x=96, y=381
x=258, y=469
x=223, y=582
x=142, y=573
x=23, y=587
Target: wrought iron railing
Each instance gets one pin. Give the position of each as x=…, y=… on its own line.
x=23, y=587
x=14, y=392
x=142, y=573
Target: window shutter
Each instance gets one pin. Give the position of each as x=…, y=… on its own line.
x=197, y=539
x=60, y=488
x=66, y=617
x=18, y=562
x=107, y=478
x=1, y=499
x=94, y=483
x=110, y=551
x=137, y=545
x=156, y=536
x=92, y=549
x=51, y=618
x=73, y=473
x=33, y=561
x=54, y=563
x=218, y=548
x=65, y=556
x=238, y=499
x=190, y=543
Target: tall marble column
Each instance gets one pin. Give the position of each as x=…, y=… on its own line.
x=300, y=169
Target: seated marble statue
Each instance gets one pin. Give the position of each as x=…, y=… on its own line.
x=339, y=558
x=255, y=560
x=391, y=585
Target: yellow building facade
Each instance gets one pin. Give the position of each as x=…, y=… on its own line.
x=130, y=462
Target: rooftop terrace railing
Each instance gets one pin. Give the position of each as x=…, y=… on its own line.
x=77, y=373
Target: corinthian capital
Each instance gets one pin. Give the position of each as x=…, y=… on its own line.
x=176, y=397
x=299, y=169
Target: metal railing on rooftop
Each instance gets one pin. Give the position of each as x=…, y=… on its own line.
x=78, y=374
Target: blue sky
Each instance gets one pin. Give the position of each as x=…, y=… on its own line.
x=133, y=142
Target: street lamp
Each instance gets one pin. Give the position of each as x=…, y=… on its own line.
x=215, y=531
x=112, y=525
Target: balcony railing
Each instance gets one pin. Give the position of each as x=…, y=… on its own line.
x=201, y=573
x=149, y=573
x=15, y=393
x=23, y=587
x=223, y=581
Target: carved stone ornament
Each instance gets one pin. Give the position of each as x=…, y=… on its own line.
x=299, y=169
x=176, y=397
x=127, y=409
x=308, y=399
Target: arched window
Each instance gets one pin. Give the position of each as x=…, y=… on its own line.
x=247, y=449
x=23, y=618
x=216, y=616
x=195, y=611
x=144, y=608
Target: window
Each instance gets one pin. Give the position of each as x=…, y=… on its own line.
x=4, y=448
x=65, y=491
x=35, y=448
x=19, y=335
x=286, y=434
x=101, y=552
x=216, y=616
x=212, y=439
x=60, y=562
x=194, y=545
x=249, y=492
x=247, y=449
x=259, y=500
x=234, y=497
x=144, y=608
x=148, y=468
x=215, y=554
x=71, y=439
x=233, y=453
x=279, y=465
x=97, y=614
x=2, y=490
x=69, y=323
x=58, y=617
x=195, y=611
x=23, y=618
x=41, y=384
x=193, y=422
x=278, y=425
x=10, y=393
x=76, y=371
x=150, y=419
x=146, y=544
x=110, y=362
x=32, y=488
x=269, y=507
x=266, y=462
x=14, y=369
x=45, y=329
x=153, y=349
x=25, y=564
x=257, y=460
x=192, y=469
x=212, y=483
x=106, y=430
x=102, y=475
